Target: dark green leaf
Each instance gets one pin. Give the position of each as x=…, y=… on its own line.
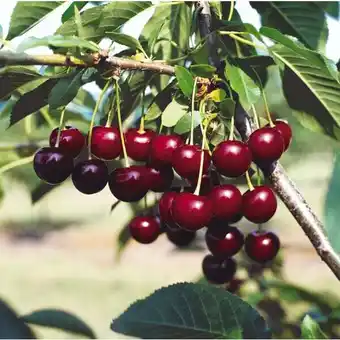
x=70, y=11
x=184, y=124
x=205, y=71
x=227, y=108
x=27, y=14
x=330, y=7
x=125, y=40
x=188, y=310
x=173, y=113
x=185, y=80
x=311, y=330
x=60, y=319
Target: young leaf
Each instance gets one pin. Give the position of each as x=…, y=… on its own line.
x=184, y=124
x=173, y=113
x=227, y=107
x=70, y=11
x=202, y=70
x=311, y=330
x=78, y=22
x=217, y=95
x=125, y=40
x=185, y=80
x=188, y=310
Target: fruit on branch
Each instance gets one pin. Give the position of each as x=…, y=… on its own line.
x=71, y=140
x=90, y=176
x=52, y=165
x=232, y=158
x=165, y=206
x=206, y=184
x=160, y=179
x=261, y=246
x=144, y=229
x=180, y=237
x=260, y=204
x=217, y=270
x=285, y=131
x=138, y=143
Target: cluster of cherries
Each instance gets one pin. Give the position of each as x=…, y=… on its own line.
x=209, y=204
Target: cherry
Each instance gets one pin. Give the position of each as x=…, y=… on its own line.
x=285, y=131
x=206, y=184
x=191, y=212
x=160, y=179
x=105, y=142
x=218, y=270
x=90, y=176
x=144, y=229
x=186, y=160
x=234, y=285
x=129, y=184
x=260, y=204
x=52, y=165
x=262, y=246
x=138, y=143
x=180, y=237
x=266, y=145
x=71, y=140
x=227, y=202
x=232, y=158
x=164, y=207
x=162, y=148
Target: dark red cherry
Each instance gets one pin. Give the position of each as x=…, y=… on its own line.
x=223, y=241
x=227, y=202
x=262, y=246
x=129, y=184
x=165, y=206
x=180, y=237
x=206, y=185
x=160, y=179
x=90, y=176
x=186, y=160
x=259, y=205
x=144, y=229
x=234, y=285
x=138, y=143
x=52, y=165
x=232, y=158
x=106, y=143
x=217, y=270
x=162, y=148
x=71, y=140
x=285, y=131
x=191, y=212
x=266, y=145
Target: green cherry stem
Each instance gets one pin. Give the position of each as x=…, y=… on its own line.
x=249, y=183
x=142, y=119
x=14, y=164
x=61, y=127
x=242, y=40
x=232, y=124
x=111, y=113
x=231, y=10
x=256, y=118
x=192, y=111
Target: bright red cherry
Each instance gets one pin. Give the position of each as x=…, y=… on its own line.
x=262, y=246
x=266, y=145
x=138, y=143
x=232, y=158
x=160, y=179
x=162, y=148
x=180, y=237
x=217, y=270
x=71, y=140
x=144, y=229
x=90, y=176
x=227, y=202
x=52, y=165
x=191, y=212
x=285, y=131
x=106, y=143
x=259, y=205
x=129, y=184
x=165, y=206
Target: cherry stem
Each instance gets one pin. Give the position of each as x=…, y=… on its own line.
x=249, y=183
x=256, y=118
x=232, y=125
x=61, y=127
x=111, y=114
x=160, y=129
x=202, y=109
x=14, y=164
x=231, y=10
x=120, y=125
x=146, y=201
x=192, y=111
x=258, y=175
x=142, y=120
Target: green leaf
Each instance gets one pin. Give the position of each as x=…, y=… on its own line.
x=188, y=310
x=227, y=107
x=184, y=124
x=78, y=22
x=217, y=95
x=311, y=330
x=330, y=7
x=185, y=80
x=125, y=40
x=41, y=190
x=70, y=11
x=61, y=320
x=173, y=113
x=85, y=98
x=202, y=70
x=26, y=14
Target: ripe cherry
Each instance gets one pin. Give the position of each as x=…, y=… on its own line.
x=129, y=184
x=165, y=206
x=260, y=204
x=285, y=131
x=144, y=229
x=223, y=241
x=71, y=140
x=105, y=142
x=217, y=270
x=180, y=237
x=138, y=143
x=52, y=165
x=160, y=179
x=262, y=246
x=206, y=184
x=227, y=202
x=232, y=158
x=90, y=176
x=162, y=148
x=186, y=160
x=266, y=145
x=191, y=212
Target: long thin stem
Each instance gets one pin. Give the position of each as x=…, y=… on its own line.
x=242, y=40
x=249, y=183
x=231, y=10
x=111, y=113
x=232, y=124
x=256, y=118
x=192, y=111
x=14, y=164
x=142, y=118
x=61, y=126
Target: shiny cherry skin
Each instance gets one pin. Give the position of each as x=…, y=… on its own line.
x=129, y=184
x=71, y=140
x=165, y=207
x=138, y=143
x=191, y=212
x=232, y=158
x=259, y=205
x=162, y=148
x=106, y=142
x=217, y=270
x=223, y=241
x=180, y=237
x=262, y=246
x=266, y=145
x=285, y=131
x=90, y=176
x=52, y=165
x=187, y=158
x=160, y=179
x=144, y=229
x=227, y=202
